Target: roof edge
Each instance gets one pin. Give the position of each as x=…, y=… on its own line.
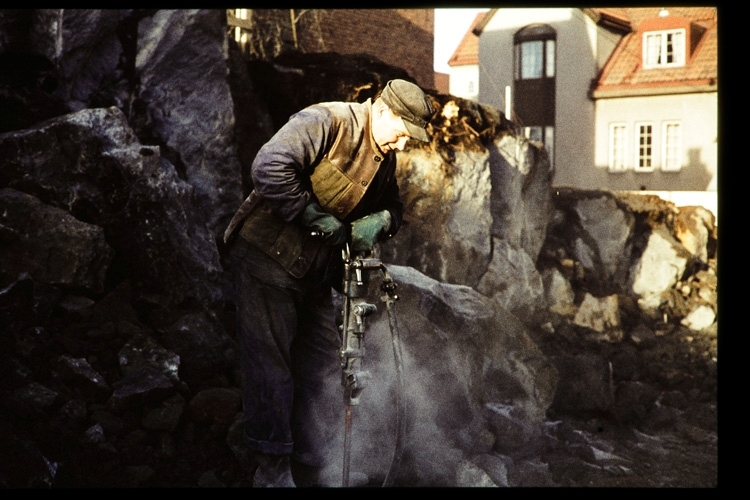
x=608, y=21
x=630, y=91
x=483, y=23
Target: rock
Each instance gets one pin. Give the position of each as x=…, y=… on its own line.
x=215, y=405
x=585, y=385
x=185, y=103
x=27, y=85
x=33, y=400
x=460, y=351
x=558, y=293
x=659, y=268
x=585, y=243
x=147, y=386
x=112, y=424
x=79, y=373
x=695, y=228
x=209, y=480
x=601, y=315
x=204, y=348
x=488, y=180
x=51, y=245
x=167, y=416
x=604, y=223
x=469, y=475
x=514, y=431
x=513, y=281
x=495, y=467
x=110, y=180
x=642, y=335
x=22, y=465
x=633, y=400
x=530, y=472
x=143, y=350
x=699, y=318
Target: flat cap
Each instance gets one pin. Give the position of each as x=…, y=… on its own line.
x=411, y=104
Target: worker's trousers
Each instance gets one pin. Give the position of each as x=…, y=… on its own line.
x=289, y=359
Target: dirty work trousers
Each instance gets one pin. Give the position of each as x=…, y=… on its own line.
x=289, y=359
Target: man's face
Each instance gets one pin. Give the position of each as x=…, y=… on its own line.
x=388, y=130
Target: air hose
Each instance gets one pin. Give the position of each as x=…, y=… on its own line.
x=389, y=297
x=352, y=351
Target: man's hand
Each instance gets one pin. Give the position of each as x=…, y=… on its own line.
x=317, y=219
x=367, y=230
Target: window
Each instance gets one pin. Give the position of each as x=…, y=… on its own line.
x=534, y=83
x=671, y=146
x=618, y=134
x=644, y=153
x=535, y=59
x=471, y=87
x=664, y=48
x=534, y=48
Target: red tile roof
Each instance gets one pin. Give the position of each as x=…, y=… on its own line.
x=624, y=71
x=467, y=51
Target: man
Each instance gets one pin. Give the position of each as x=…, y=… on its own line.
x=325, y=178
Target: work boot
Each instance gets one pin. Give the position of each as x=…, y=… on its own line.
x=273, y=472
x=305, y=476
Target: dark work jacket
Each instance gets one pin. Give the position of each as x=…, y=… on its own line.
x=326, y=154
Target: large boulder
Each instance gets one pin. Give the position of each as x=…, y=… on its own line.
x=477, y=204
x=165, y=69
x=91, y=165
x=184, y=102
x=50, y=245
x=463, y=358
x=639, y=247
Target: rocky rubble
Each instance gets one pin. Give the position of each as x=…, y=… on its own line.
x=552, y=336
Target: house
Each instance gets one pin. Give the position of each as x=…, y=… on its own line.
x=399, y=37
x=464, y=64
x=621, y=98
x=656, y=103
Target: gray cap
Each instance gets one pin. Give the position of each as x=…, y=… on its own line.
x=410, y=103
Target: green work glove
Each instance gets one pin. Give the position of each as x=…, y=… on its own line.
x=318, y=220
x=367, y=230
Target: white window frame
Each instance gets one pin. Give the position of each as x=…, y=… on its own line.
x=618, y=147
x=659, y=46
x=638, y=156
x=671, y=146
x=549, y=47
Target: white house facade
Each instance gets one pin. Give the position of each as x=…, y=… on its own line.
x=561, y=48
x=464, y=81
x=622, y=98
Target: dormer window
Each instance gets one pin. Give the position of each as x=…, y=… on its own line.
x=534, y=48
x=663, y=49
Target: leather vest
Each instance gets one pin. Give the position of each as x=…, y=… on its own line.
x=339, y=182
